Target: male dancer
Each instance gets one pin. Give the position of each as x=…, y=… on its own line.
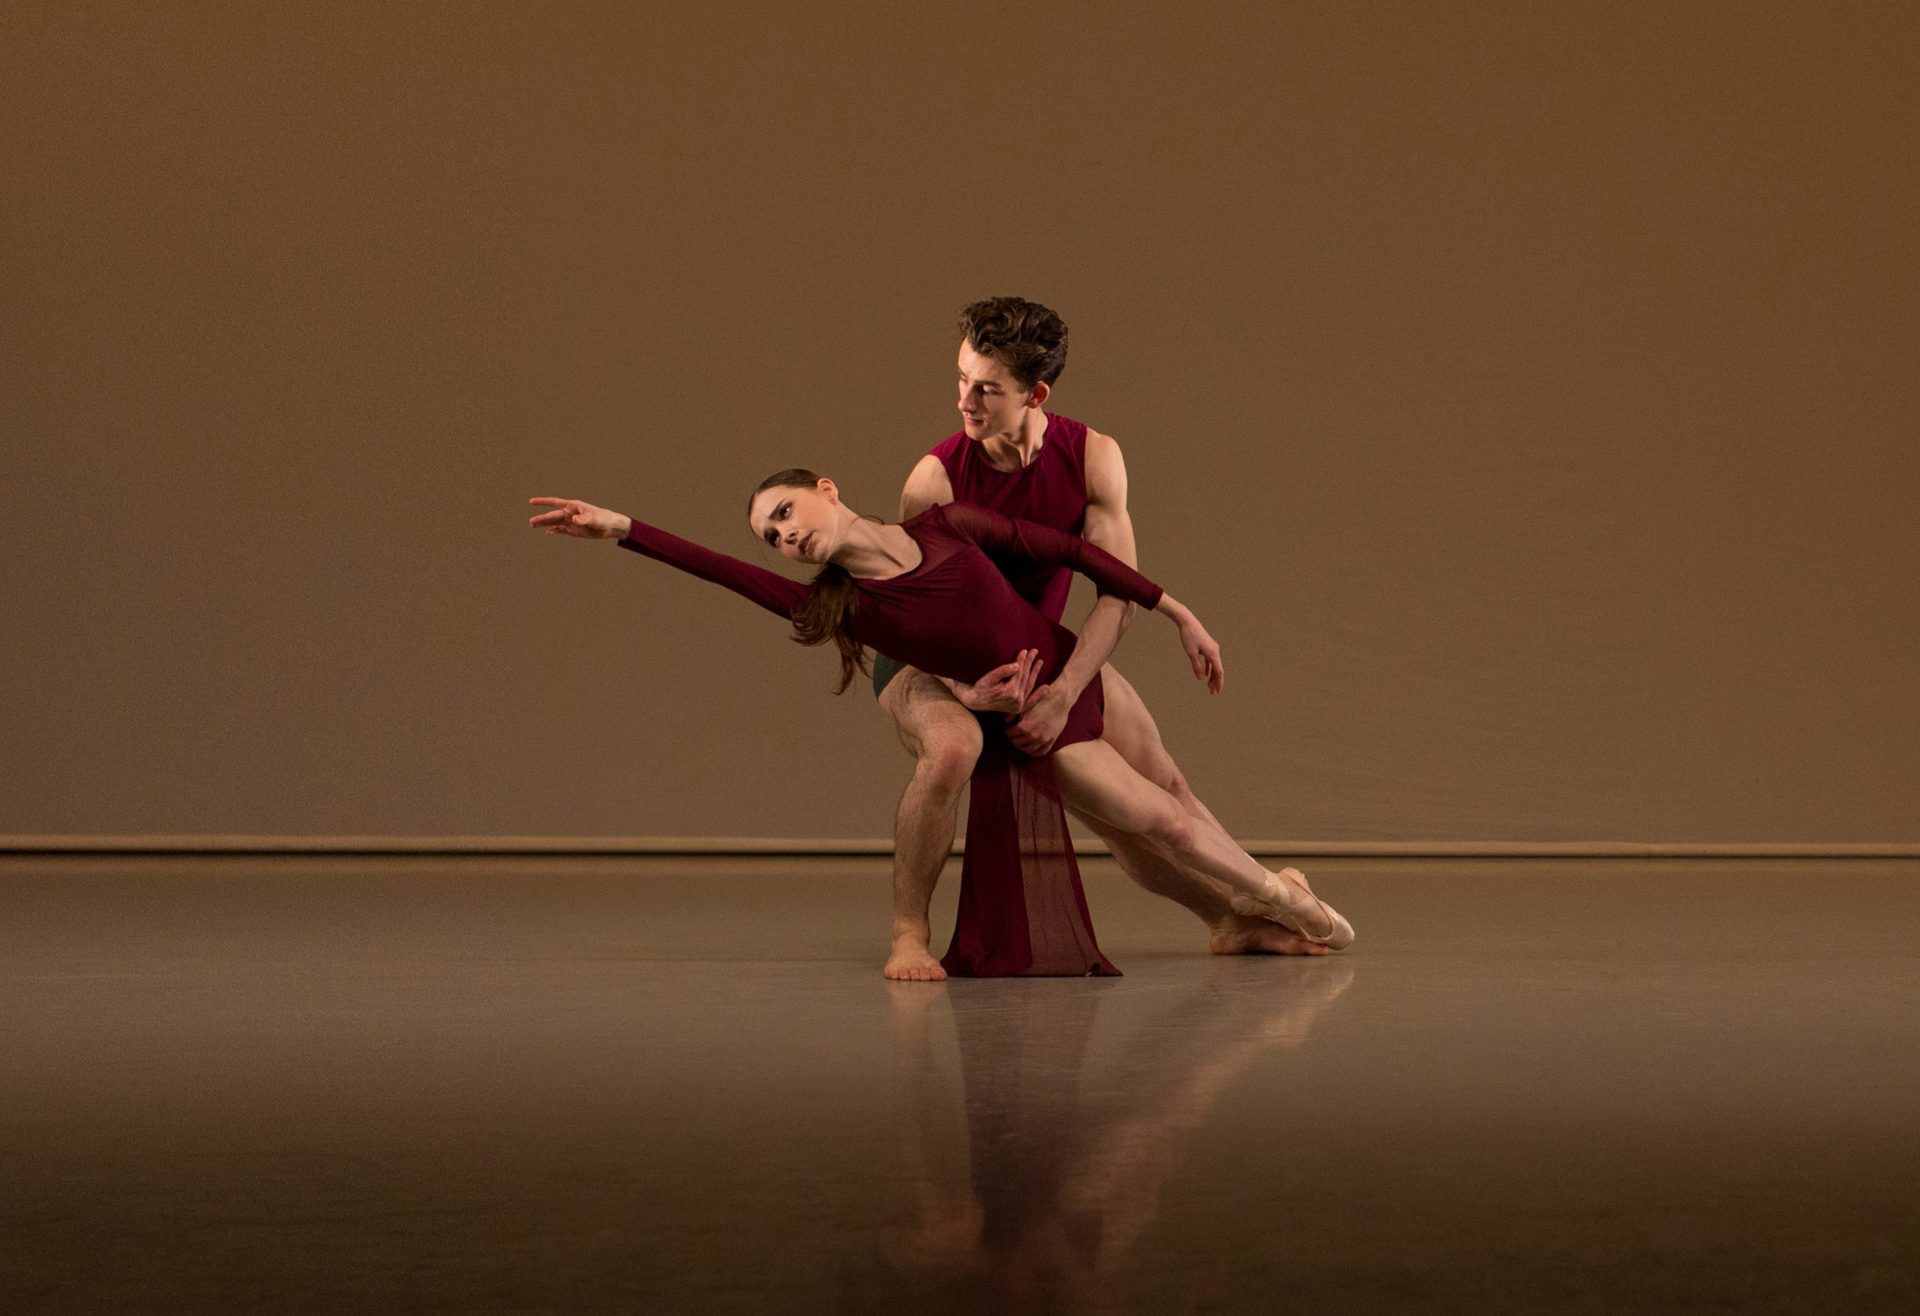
x=1014, y=457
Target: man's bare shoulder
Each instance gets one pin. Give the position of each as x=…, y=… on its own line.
x=1106, y=469
x=927, y=485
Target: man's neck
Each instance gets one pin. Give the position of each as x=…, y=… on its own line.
x=1016, y=451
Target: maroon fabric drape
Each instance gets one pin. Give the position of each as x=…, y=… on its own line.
x=1022, y=909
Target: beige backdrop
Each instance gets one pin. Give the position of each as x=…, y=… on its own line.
x=1524, y=394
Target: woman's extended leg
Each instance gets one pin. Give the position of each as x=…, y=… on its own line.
x=1130, y=728
x=1096, y=781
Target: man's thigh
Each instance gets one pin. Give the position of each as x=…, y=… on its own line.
x=927, y=716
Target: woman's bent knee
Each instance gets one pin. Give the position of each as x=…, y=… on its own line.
x=1176, y=785
x=1173, y=830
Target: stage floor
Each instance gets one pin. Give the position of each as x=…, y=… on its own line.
x=595, y=1085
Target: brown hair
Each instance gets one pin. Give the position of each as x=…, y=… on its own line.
x=826, y=613
x=1025, y=337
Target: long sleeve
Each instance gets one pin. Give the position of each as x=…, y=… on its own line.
x=1003, y=536
x=770, y=590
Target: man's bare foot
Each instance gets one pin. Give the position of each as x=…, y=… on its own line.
x=911, y=961
x=1240, y=934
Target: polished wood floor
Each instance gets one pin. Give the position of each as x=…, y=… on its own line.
x=615, y=1086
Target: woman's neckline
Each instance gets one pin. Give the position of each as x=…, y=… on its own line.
x=904, y=572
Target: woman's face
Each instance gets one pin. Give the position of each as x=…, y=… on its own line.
x=802, y=523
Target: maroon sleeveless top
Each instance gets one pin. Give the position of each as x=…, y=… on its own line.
x=1052, y=491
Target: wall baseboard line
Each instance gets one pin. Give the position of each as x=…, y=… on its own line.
x=821, y=847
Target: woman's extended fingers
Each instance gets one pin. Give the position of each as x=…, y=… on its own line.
x=563, y=513
x=1006, y=675
x=1029, y=673
x=572, y=517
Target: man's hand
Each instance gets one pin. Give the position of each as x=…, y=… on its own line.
x=1006, y=689
x=1042, y=722
x=570, y=516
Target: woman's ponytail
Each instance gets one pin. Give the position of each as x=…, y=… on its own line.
x=827, y=614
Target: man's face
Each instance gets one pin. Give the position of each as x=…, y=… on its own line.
x=992, y=402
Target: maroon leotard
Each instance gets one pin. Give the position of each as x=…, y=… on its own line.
x=1051, y=490
x=1022, y=910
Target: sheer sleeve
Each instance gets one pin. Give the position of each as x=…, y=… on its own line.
x=769, y=589
x=1003, y=536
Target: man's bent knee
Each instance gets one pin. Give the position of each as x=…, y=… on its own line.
x=945, y=762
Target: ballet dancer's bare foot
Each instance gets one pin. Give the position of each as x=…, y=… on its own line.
x=1243, y=934
x=911, y=961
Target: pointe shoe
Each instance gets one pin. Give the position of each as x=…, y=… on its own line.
x=1340, y=933
x=1272, y=904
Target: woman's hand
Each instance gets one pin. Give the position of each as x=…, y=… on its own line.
x=1005, y=689
x=1202, y=652
x=570, y=516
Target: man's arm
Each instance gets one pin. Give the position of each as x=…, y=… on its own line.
x=1109, y=526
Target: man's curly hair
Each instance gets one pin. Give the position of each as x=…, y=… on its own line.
x=1025, y=337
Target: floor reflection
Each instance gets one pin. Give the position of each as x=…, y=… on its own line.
x=1032, y=1174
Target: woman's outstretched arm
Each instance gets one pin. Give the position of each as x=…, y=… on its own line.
x=1004, y=536
x=570, y=516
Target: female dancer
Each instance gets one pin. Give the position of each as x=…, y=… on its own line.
x=926, y=593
